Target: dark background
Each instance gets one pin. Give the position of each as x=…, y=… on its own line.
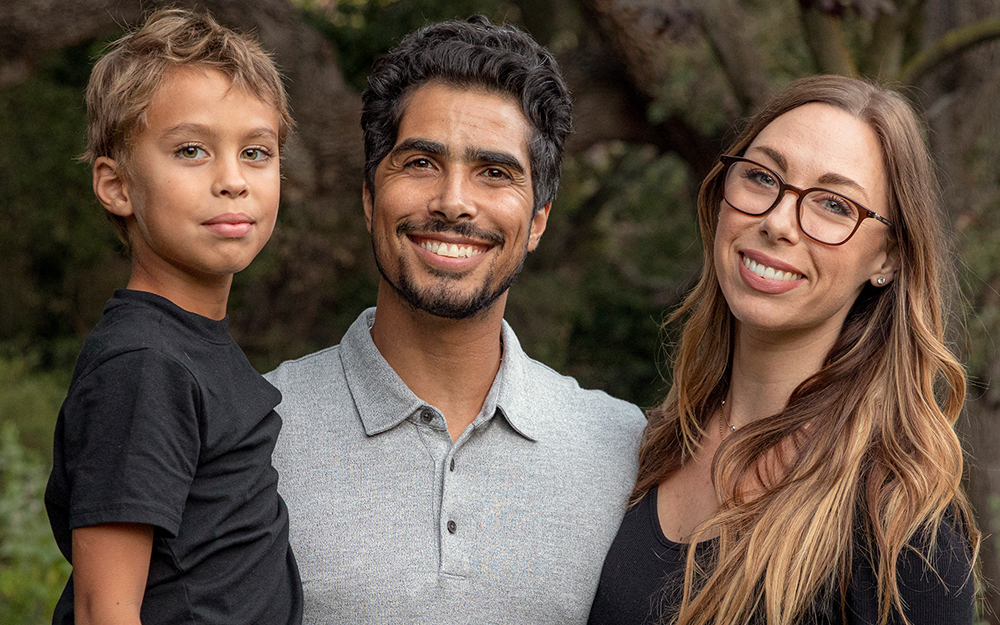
x=659, y=87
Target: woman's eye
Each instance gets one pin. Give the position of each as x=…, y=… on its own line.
x=761, y=177
x=190, y=152
x=838, y=206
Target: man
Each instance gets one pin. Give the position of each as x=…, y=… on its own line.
x=433, y=472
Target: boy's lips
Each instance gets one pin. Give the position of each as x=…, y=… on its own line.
x=230, y=225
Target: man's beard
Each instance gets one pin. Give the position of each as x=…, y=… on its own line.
x=443, y=300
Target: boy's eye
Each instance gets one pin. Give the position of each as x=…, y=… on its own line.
x=255, y=154
x=190, y=152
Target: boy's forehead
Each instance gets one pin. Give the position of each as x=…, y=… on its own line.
x=193, y=99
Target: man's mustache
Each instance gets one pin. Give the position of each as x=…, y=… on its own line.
x=463, y=229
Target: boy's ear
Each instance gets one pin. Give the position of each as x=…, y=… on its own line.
x=111, y=188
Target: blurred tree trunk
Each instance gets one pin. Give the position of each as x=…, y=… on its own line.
x=960, y=97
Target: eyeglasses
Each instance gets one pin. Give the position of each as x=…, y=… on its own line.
x=824, y=216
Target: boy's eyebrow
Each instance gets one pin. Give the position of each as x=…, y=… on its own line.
x=187, y=129
x=472, y=154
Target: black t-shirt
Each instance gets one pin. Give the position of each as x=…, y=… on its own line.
x=643, y=577
x=166, y=423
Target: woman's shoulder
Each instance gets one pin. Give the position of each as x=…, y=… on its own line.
x=933, y=574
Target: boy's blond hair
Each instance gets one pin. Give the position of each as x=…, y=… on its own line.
x=125, y=80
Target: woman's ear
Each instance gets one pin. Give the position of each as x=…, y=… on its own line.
x=890, y=265
x=111, y=188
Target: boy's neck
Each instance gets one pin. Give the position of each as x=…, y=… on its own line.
x=207, y=296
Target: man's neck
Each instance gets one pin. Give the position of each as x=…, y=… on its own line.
x=448, y=363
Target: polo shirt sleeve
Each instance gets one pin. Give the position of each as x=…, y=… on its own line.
x=131, y=441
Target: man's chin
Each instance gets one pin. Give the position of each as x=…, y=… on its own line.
x=448, y=307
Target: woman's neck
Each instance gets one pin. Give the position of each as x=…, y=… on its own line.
x=768, y=367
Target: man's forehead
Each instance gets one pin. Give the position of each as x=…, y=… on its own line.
x=436, y=91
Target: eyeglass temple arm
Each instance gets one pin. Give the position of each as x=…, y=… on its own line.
x=878, y=217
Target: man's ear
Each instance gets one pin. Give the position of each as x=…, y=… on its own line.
x=110, y=187
x=367, y=201
x=537, y=226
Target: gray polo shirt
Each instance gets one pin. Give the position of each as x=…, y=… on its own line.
x=392, y=522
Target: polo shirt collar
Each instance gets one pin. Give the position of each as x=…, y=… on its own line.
x=383, y=400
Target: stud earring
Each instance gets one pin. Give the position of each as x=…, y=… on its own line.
x=881, y=280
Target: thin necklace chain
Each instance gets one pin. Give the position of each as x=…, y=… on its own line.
x=724, y=422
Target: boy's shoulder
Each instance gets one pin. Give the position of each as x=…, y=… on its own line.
x=135, y=321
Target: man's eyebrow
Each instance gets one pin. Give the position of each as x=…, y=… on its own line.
x=420, y=145
x=475, y=155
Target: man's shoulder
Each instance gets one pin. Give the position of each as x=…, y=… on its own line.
x=553, y=391
x=305, y=369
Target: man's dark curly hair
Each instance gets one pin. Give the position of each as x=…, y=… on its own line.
x=473, y=54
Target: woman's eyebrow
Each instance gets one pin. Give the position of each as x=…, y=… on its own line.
x=827, y=178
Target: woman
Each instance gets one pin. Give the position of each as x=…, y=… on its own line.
x=806, y=446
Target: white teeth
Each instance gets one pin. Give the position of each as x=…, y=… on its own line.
x=451, y=250
x=770, y=273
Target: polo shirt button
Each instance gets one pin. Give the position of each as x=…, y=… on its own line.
x=452, y=464
x=426, y=415
x=452, y=527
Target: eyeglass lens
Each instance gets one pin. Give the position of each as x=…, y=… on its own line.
x=825, y=216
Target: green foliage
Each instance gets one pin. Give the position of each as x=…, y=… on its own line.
x=30, y=401
x=620, y=248
x=32, y=570
x=362, y=30
x=60, y=260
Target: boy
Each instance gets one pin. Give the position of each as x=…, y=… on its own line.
x=162, y=493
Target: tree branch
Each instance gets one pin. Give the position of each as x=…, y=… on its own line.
x=825, y=37
x=949, y=45
x=722, y=22
x=884, y=55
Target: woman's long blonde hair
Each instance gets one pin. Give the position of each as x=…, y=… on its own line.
x=874, y=453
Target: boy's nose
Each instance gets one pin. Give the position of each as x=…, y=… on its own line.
x=229, y=181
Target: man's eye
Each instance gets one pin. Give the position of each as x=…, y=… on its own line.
x=496, y=172
x=420, y=163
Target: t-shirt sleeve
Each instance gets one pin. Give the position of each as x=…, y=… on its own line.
x=131, y=441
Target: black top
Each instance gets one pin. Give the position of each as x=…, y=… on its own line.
x=643, y=577
x=166, y=423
